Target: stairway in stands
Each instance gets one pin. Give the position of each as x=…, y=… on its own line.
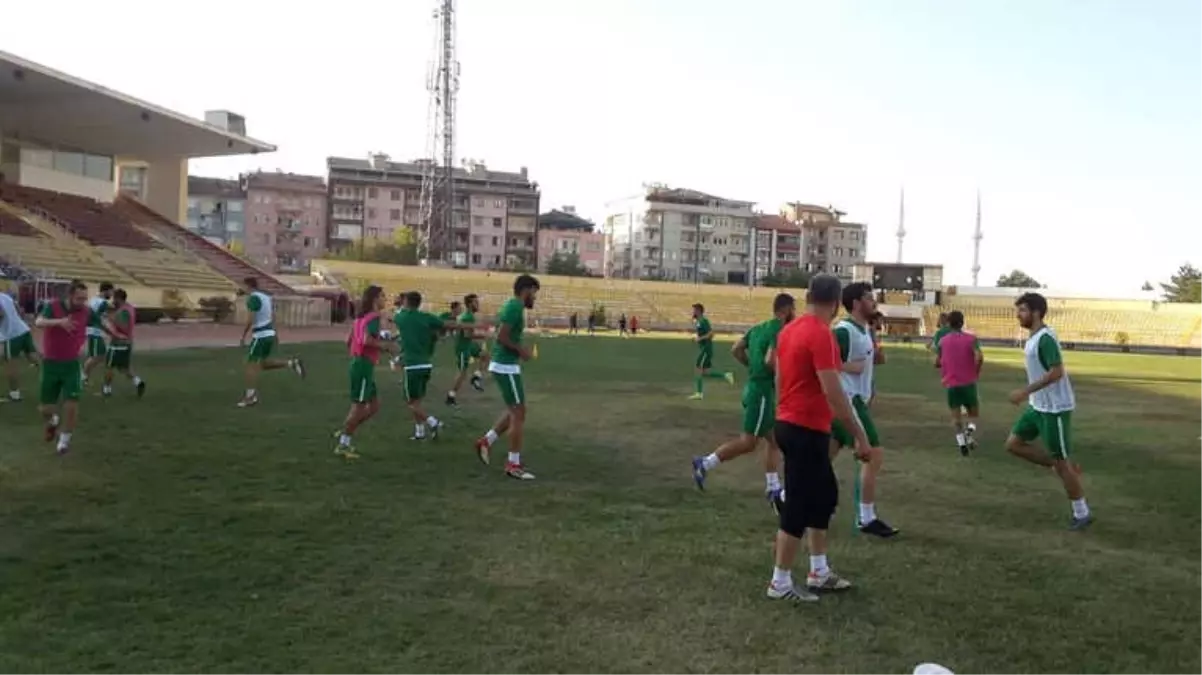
x=228, y=264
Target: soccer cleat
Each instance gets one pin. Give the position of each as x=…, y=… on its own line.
x=696, y=396
x=452, y=401
x=1078, y=524
x=790, y=593
x=699, y=473
x=62, y=449
x=829, y=581
x=879, y=528
x=518, y=472
x=248, y=402
x=415, y=437
x=106, y=392
x=482, y=450
x=729, y=377
x=964, y=450
x=141, y=388
x=434, y=430
x=346, y=452
x=477, y=383
x=776, y=499
x=14, y=396
x=298, y=367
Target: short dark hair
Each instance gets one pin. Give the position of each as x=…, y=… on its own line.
x=251, y=282
x=413, y=299
x=523, y=282
x=854, y=291
x=699, y=306
x=824, y=290
x=781, y=301
x=456, y=303
x=467, y=299
x=106, y=286
x=1034, y=302
x=120, y=295
x=956, y=319
x=77, y=285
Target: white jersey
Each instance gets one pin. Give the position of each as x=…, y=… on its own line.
x=855, y=343
x=262, y=316
x=99, y=305
x=1041, y=353
x=11, y=323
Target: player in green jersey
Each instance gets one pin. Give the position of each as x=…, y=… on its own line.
x=508, y=353
x=121, y=349
x=467, y=349
x=941, y=329
x=417, y=332
x=97, y=349
x=260, y=326
x=755, y=350
x=705, y=353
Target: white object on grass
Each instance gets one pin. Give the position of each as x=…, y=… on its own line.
x=931, y=669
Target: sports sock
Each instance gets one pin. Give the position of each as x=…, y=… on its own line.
x=250, y=393
x=782, y=578
x=451, y=394
x=14, y=395
x=710, y=461
x=699, y=384
x=54, y=420
x=477, y=375
x=772, y=480
x=433, y=422
x=344, y=440
x=867, y=513
x=960, y=440
x=972, y=427
x=515, y=458
x=490, y=437
x=818, y=565
x=64, y=439
x=419, y=431
x=1080, y=508
x=137, y=380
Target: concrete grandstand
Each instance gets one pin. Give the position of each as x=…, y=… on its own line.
x=93, y=184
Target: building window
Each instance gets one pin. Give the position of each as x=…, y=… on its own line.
x=373, y=233
x=496, y=260
x=372, y=193
x=496, y=241
x=499, y=203
x=496, y=222
x=395, y=195
x=478, y=202
x=855, y=236
x=838, y=234
x=371, y=213
x=475, y=258
x=851, y=252
x=394, y=214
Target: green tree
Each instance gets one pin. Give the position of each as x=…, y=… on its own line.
x=1184, y=286
x=1017, y=279
x=1147, y=286
x=566, y=265
x=792, y=278
x=400, y=250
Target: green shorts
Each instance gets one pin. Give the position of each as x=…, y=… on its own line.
x=964, y=396
x=1055, y=428
x=260, y=348
x=415, y=381
x=705, y=359
x=363, y=381
x=464, y=358
x=96, y=348
x=844, y=437
x=22, y=345
x=119, y=357
x=60, y=380
x=512, y=390
x=759, y=408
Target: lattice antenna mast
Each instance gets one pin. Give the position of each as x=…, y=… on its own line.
x=901, y=224
x=976, y=245
x=438, y=188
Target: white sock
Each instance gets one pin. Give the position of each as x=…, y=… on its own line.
x=64, y=439
x=867, y=513
x=782, y=578
x=477, y=375
x=250, y=393
x=710, y=461
x=54, y=420
x=137, y=380
x=818, y=565
x=344, y=440
x=772, y=480
x=1080, y=508
x=433, y=422
x=419, y=431
x=490, y=437
x=515, y=458
x=960, y=440
x=107, y=388
x=14, y=395
x=451, y=394
x=972, y=427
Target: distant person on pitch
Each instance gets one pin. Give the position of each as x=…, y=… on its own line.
x=958, y=357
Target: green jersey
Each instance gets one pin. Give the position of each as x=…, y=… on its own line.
x=512, y=314
x=417, y=332
x=943, y=330
x=123, y=320
x=100, y=308
x=759, y=339
x=703, y=328
x=464, y=338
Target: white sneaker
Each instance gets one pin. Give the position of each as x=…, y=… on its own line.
x=790, y=593
x=830, y=581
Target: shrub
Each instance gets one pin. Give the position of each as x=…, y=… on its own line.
x=598, y=312
x=174, y=304
x=219, y=307
x=1123, y=340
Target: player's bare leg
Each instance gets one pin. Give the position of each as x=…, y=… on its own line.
x=89, y=364
x=958, y=426
x=12, y=374
x=741, y=445
x=422, y=421
x=1023, y=450
x=484, y=444
x=65, y=426
x=355, y=417
x=970, y=427
x=50, y=421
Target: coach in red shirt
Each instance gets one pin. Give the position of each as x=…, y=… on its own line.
x=809, y=397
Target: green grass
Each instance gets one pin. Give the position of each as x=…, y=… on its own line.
x=183, y=534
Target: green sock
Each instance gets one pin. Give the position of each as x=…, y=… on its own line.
x=699, y=383
x=716, y=376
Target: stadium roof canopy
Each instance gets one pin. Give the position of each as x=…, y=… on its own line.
x=50, y=108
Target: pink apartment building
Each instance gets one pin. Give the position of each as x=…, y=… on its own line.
x=562, y=231
x=285, y=220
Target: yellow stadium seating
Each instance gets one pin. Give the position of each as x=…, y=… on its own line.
x=47, y=257
x=164, y=268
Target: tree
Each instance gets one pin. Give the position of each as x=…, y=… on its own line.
x=566, y=265
x=792, y=278
x=1147, y=286
x=1184, y=286
x=1017, y=279
x=400, y=250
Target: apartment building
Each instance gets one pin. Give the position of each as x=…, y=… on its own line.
x=216, y=210
x=494, y=221
x=776, y=246
x=285, y=220
x=831, y=244
x=679, y=234
x=563, y=231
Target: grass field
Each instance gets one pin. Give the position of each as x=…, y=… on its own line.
x=183, y=534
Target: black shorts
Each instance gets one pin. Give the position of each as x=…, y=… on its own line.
x=811, y=490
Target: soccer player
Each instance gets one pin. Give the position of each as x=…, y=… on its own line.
x=572, y=324
x=64, y=324
x=96, y=346
x=705, y=353
x=120, y=352
x=622, y=325
x=260, y=326
x=959, y=358
x=417, y=332
x=1050, y=404
x=507, y=356
x=364, y=343
x=811, y=395
x=467, y=349
x=759, y=400
x=16, y=340
x=858, y=359
x=940, y=331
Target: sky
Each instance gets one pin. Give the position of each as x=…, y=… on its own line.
x=1079, y=121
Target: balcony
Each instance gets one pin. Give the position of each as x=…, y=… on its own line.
x=521, y=244
x=523, y=206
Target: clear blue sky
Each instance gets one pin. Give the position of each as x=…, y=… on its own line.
x=1079, y=120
